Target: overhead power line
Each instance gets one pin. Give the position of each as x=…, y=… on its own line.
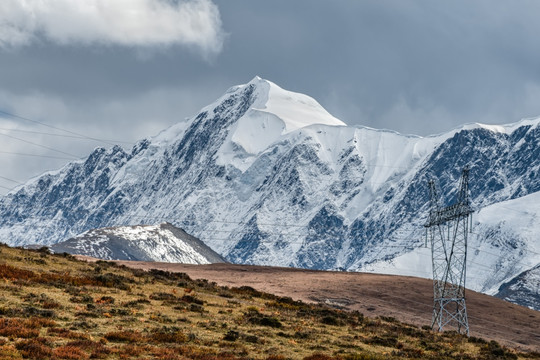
x=60, y=135
x=40, y=145
x=35, y=155
x=8, y=179
x=15, y=116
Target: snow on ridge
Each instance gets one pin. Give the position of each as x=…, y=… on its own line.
x=277, y=112
x=496, y=243
x=503, y=128
x=521, y=216
x=162, y=242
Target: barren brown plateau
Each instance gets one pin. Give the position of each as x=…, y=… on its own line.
x=407, y=299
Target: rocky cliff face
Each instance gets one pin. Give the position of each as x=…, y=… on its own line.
x=267, y=176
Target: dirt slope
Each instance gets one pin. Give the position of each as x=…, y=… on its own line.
x=407, y=299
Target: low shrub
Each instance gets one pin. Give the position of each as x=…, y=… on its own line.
x=231, y=335
x=35, y=322
x=131, y=351
x=167, y=275
x=163, y=296
x=105, y=300
x=14, y=273
x=331, y=320
x=365, y=357
x=265, y=321
x=120, y=312
x=97, y=350
x=14, y=328
x=196, y=308
x=50, y=304
x=388, y=341
x=86, y=325
x=111, y=280
x=83, y=299
x=493, y=350
x=44, y=250
x=37, y=348
x=9, y=352
x=33, y=311
x=247, y=291
x=251, y=339
x=192, y=300
x=137, y=304
x=318, y=356
x=124, y=336
x=70, y=352
x=9, y=312
x=167, y=335
x=476, y=340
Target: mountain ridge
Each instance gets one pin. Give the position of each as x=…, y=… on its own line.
x=355, y=196
x=163, y=242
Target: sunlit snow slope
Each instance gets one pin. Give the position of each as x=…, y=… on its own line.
x=268, y=176
x=503, y=245
x=163, y=242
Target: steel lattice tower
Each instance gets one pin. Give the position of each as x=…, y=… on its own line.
x=447, y=229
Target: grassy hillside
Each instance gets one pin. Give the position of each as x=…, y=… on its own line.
x=55, y=307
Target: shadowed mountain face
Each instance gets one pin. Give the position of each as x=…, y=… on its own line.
x=523, y=289
x=164, y=242
x=267, y=176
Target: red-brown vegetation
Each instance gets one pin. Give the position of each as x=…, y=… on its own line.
x=70, y=352
x=38, y=348
x=15, y=328
x=124, y=336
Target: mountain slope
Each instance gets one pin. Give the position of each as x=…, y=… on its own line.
x=55, y=307
x=267, y=176
x=503, y=252
x=523, y=289
x=163, y=242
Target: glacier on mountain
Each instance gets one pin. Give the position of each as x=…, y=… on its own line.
x=268, y=176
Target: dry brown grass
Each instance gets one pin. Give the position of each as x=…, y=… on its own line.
x=54, y=307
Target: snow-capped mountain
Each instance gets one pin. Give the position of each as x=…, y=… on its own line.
x=267, y=176
x=503, y=257
x=163, y=242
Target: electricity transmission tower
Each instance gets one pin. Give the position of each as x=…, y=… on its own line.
x=447, y=229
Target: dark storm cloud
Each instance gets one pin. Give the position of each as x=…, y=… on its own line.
x=413, y=66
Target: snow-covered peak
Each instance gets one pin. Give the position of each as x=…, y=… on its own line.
x=274, y=113
x=163, y=242
x=294, y=109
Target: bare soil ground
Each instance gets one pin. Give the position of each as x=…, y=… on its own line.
x=407, y=299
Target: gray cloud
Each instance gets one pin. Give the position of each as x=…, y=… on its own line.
x=193, y=23
x=418, y=67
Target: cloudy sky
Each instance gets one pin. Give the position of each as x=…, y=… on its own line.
x=121, y=70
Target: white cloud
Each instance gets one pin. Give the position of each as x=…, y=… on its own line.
x=194, y=23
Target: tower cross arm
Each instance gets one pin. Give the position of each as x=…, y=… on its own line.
x=449, y=213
